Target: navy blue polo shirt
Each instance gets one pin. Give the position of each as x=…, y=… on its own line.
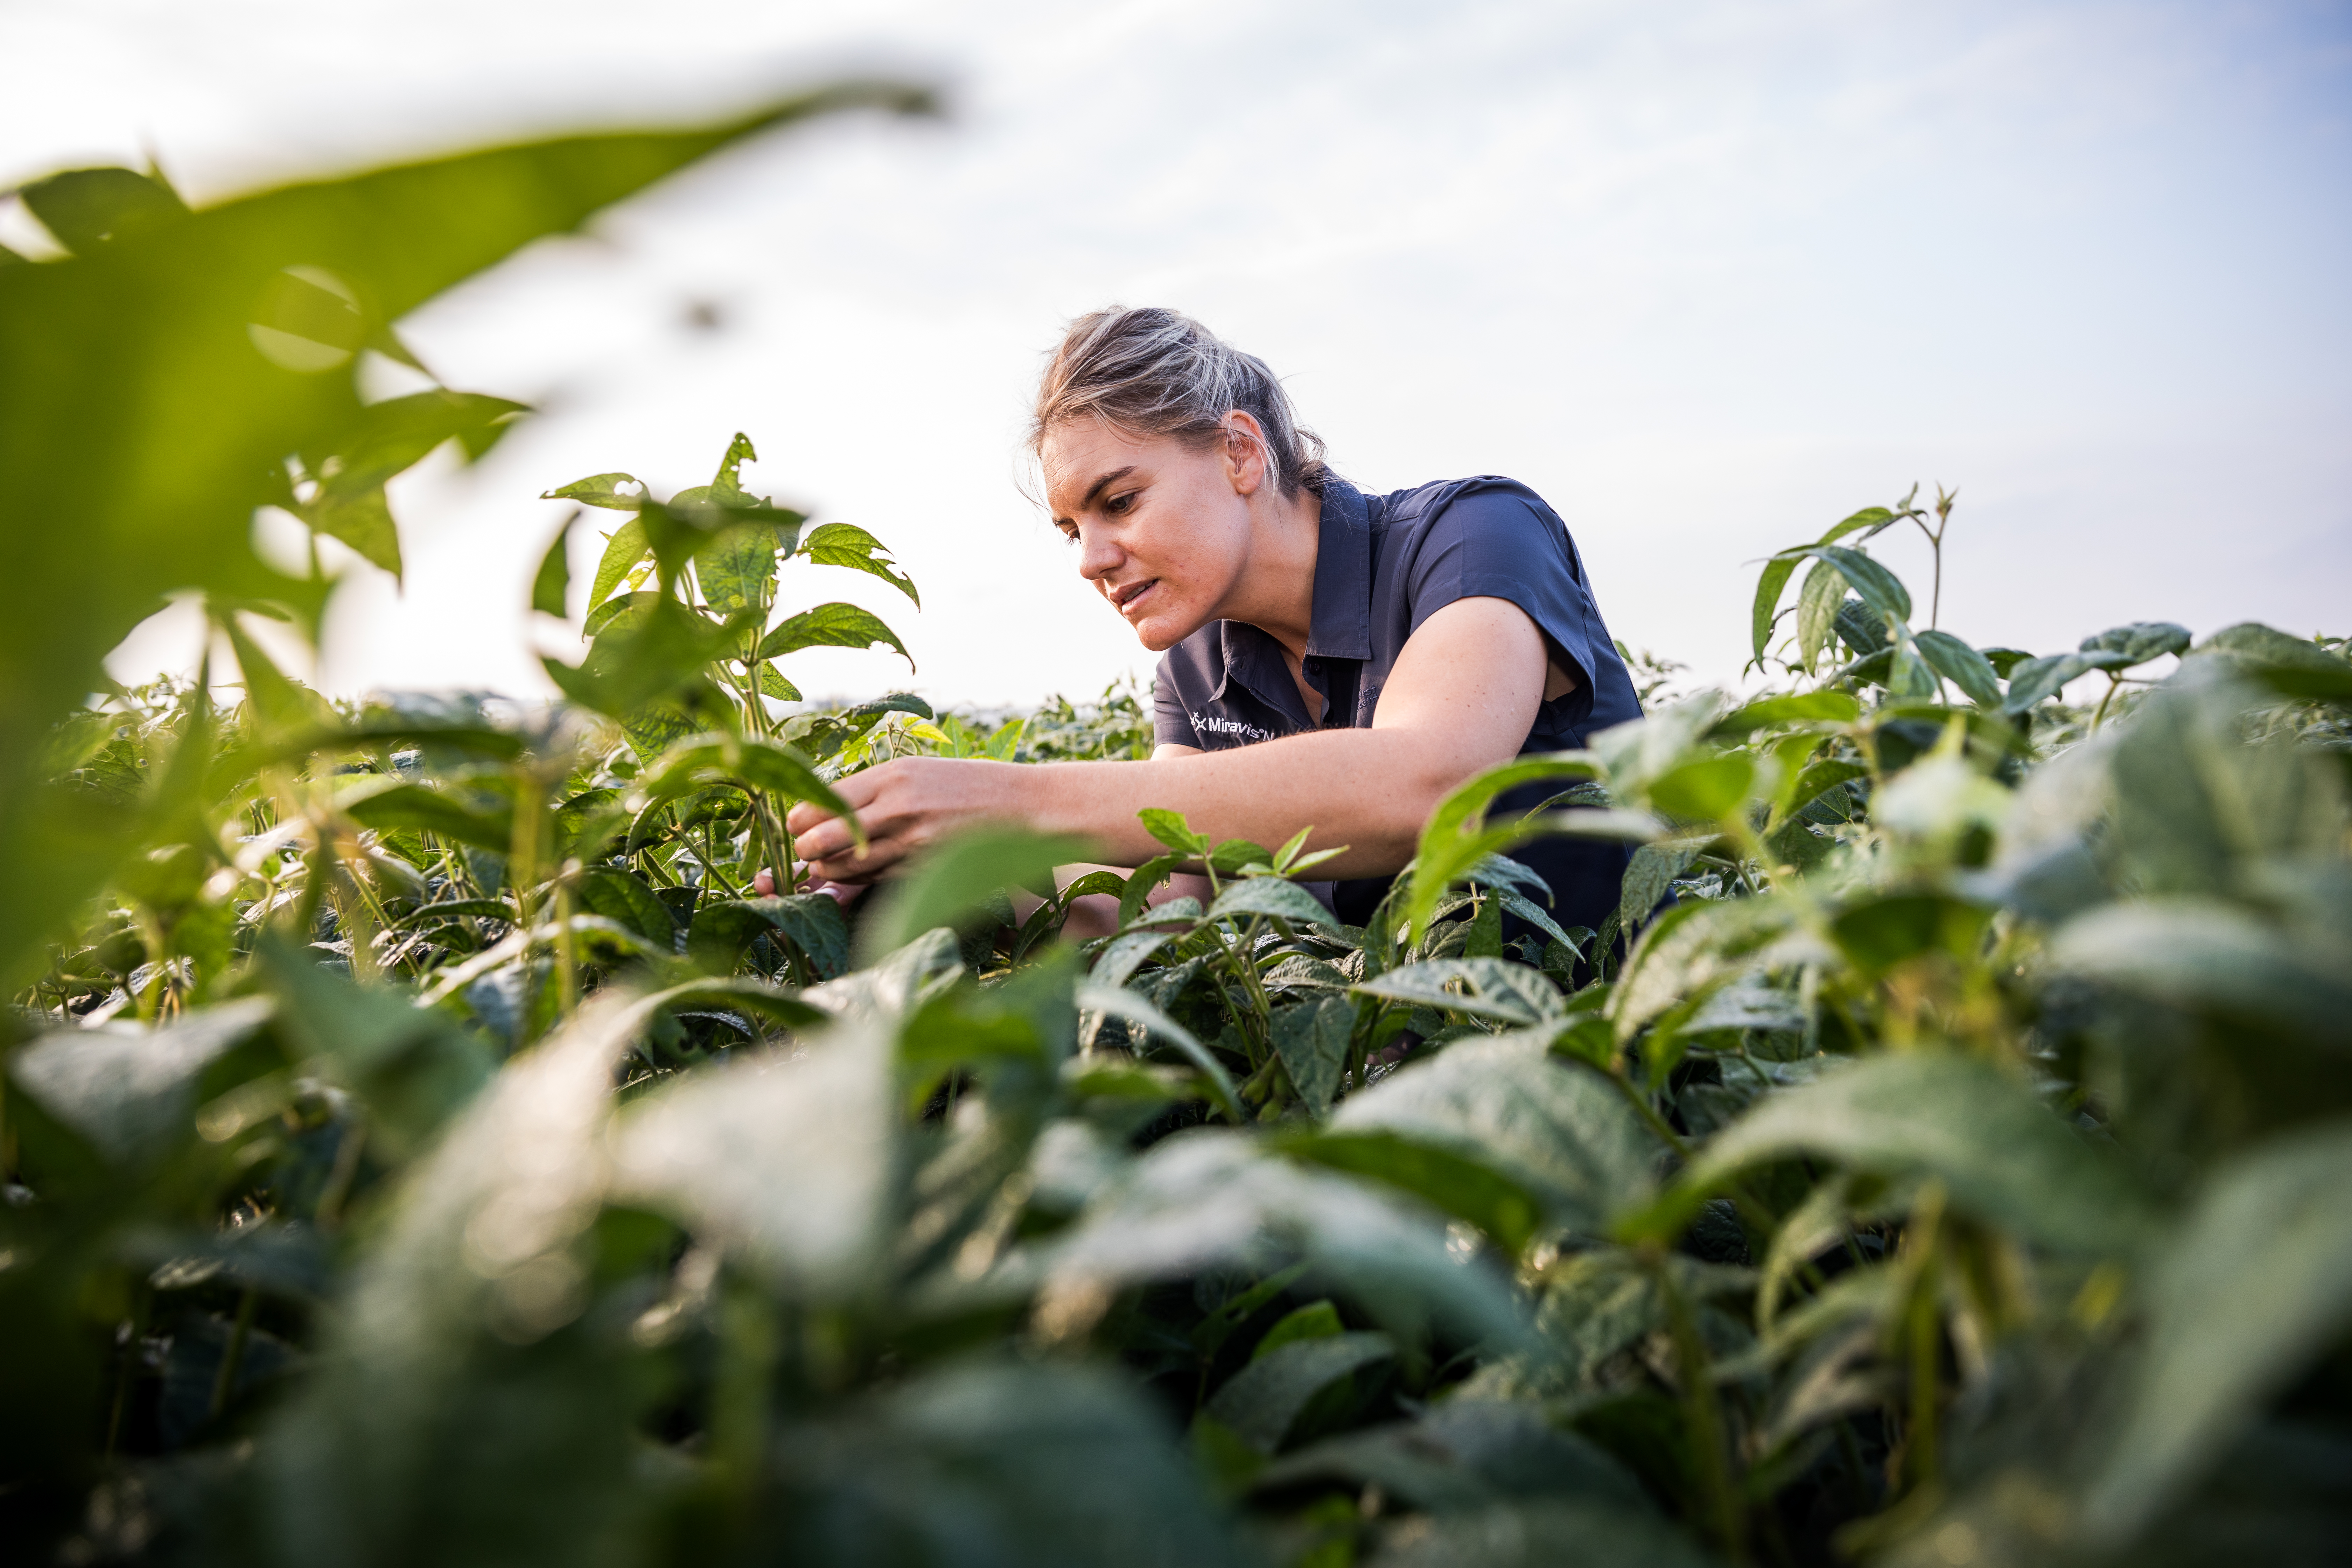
x=1384, y=565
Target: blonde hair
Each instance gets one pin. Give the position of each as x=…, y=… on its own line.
x=1155, y=371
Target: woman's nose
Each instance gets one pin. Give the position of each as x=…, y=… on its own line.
x=1097, y=556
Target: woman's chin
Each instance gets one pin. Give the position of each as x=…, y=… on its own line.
x=1161, y=633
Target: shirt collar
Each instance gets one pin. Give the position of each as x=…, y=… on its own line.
x=1340, y=624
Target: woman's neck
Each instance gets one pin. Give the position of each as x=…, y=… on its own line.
x=1277, y=590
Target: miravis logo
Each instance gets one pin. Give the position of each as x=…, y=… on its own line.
x=1246, y=735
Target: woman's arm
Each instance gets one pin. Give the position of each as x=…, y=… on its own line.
x=1461, y=700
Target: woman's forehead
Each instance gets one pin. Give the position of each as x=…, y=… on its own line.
x=1078, y=454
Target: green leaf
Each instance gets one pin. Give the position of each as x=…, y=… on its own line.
x=1456, y=837
x=1562, y=1133
x=1640, y=750
x=1961, y=665
x=1312, y=1038
x=896, y=702
x=1138, y=1012
x=2038, y=679
x=1123, y=956
x=2253, y=1288
x=658, y=655
x=1817, y=608
x=2139, y=642
x=742, y=994
x=738, y=568
x=1132, y=899
x=623, y=549
x=1875, y=519
x=1267, y=1398
x=551, y=589
x=1271, y=896
x=394, y=436
x=1466, y=1185
x=1801, y=789
x=132, y=1092
x=1315, y=1321
x=2291, y=666
x=840, y=544
x=437, y=811
x=1707, y=789
x=1878, y=933
x=1488, y=988
x=1794, y=708
x=615, y=492
x=949, y=881
x=623, y=610
x=363, y=521
x=1882, y=592
x=727, y=484
x=2197, y=808
x=277, y=700
x=1172, y=830
x=1236, y=855
x=789, y=1165
x=1687, y=953
x=2001, y=1154
x=2210, y=958
x=1208, y=1196
x=831, y=626
x=1769, y=586
x=1649, y=875
x=84, y=209
x=619, y=896
x=810, y=922
x=700, y=760
x=1864, y=634
x=1465, y=1453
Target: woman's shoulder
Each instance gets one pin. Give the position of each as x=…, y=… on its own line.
x=1477, y=497
x=1488, y=515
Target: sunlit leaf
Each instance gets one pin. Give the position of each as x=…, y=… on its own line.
x=841, y=544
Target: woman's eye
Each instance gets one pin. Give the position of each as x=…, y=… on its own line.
x=1118, y=505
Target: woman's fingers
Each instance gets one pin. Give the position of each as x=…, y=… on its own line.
x=905, y=807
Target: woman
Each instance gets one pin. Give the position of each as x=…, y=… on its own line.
x=1329, y=658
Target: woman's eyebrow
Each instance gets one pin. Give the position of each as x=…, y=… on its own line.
x=1103, y=484
x=1095, y=490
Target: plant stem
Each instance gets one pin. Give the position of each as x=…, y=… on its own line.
x=233, y=1355
x=2115, y=684
x=1924, y=1329
x=1704, y=1413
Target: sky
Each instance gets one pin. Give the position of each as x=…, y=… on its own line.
x=1708, y=274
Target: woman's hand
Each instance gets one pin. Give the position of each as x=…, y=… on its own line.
x=763, y=883
x=906, y=805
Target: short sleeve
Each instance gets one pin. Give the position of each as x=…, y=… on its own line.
x=1497, y=543
x=1171, y=724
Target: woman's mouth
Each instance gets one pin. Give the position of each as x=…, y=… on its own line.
x=1133, y=593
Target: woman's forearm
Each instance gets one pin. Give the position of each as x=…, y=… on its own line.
x=1370, y=790
x=1459, y=700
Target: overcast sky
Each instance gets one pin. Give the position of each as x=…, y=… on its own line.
x=1708, y=275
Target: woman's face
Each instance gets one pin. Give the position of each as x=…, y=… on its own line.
x=1162, y=529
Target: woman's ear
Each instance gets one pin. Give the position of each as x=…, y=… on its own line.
x=1246, y=452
